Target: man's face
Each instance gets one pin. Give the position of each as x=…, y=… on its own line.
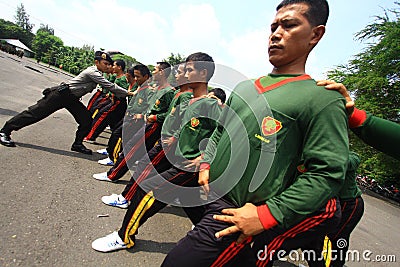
x=157, y=73
x=140, y=79
x=102, y=65
x=290, y=38
x=180, y=75
x=192, y=75
x=116, y=68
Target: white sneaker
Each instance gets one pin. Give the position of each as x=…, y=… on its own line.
x=102, y=151
x=115, y=201
x=107, y=162
x=108, y=243
x=101, y=176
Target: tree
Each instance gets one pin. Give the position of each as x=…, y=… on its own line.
x=46, y=28
x=175, y=59
x=22, y=19
x=373, y=78
x=44, y=45
x=129, y=61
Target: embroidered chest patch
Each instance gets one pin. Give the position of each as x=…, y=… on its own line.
x=194, y=122
x=270, y=126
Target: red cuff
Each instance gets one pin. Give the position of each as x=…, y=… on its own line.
x=357, y=118
x=204, y=166
x=266, y=218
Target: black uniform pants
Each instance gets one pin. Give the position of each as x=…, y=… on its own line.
x=50, y=103
x=94, y=99
x=129, y=126
x=352, y=212
x=108, y=115
x=200, y=247
x=154, y=194
x=135, y=147
x=151, y=164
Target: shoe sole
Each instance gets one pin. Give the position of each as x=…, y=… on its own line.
x=106, y=164
x=101, y=178
x=8, y=145
x=90, y=142
x=117, y=206
x=80, y=151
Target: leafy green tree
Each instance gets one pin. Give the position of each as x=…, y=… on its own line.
x=74, y=59
x=175, y=59
x=46, y=28
x=22, y=19
x=129, y=61
x=44, y=44
x=373, y=78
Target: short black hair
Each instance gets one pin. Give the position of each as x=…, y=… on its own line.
x=318, y=10
x=166, y=67
x=218, y=92
x=120, y=63
x=202, y=61
x=143, y=69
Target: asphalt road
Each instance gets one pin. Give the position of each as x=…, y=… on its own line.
x=49, y=201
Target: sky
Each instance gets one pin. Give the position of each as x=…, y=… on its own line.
x=233, y=32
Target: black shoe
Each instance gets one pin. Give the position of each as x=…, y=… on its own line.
x=5, y=140
x=81, y=149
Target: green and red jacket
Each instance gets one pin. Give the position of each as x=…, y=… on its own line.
x=198, y=123
x=132, y=88
x=173, y=120
x=268, y=126
x=350, y=189
x=140, y=103
x=159, y=103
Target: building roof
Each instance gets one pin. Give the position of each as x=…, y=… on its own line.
x=17, y=43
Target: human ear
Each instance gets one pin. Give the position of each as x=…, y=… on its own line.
x=203, y=74
x=317, y=33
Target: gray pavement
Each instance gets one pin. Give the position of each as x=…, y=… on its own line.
x=49, y=201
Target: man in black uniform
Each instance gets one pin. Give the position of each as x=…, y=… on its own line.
x=66, y=95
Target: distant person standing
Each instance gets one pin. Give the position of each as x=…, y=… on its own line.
x=66, y=95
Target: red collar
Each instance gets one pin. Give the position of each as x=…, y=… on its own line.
x=261, y=89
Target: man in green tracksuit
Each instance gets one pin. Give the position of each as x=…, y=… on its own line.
x=138, y=142
x=269, y=125
x=135, y=111
x=155, y=161
x=110, y=114
x=198, y=123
